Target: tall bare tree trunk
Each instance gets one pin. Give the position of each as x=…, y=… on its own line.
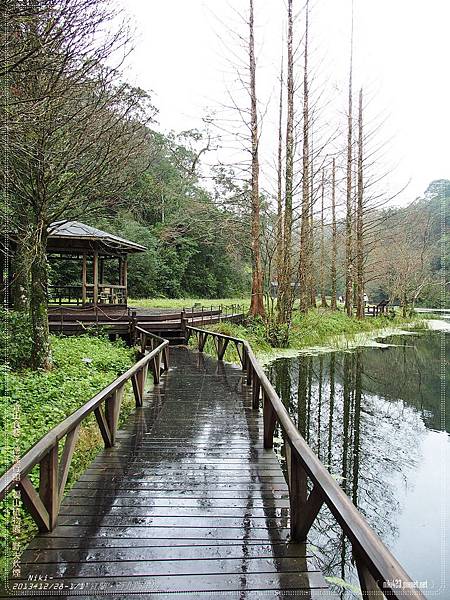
x=323, y=299
x=348, y=218
x=333, y=238
x=257, y=300
x=41, y=358
x=280, y=236
x=305, y=233
x=311, y=278
x=285, y=291
x=360, y=217
x=354, y=257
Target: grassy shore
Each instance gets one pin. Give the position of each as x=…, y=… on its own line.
x=311, y=330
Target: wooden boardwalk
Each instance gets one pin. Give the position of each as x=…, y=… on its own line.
x=187, y=503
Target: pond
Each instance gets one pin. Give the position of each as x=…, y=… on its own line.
x=379, y=420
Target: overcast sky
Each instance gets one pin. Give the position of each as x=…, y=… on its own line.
x=401, y=60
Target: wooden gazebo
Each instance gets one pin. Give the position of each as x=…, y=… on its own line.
x=93, y=247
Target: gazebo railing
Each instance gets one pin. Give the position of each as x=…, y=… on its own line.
x=380, y=574
x=65, y=294
x=43, y=504
x=73, y=294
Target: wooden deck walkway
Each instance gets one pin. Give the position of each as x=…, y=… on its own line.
x=187, y=503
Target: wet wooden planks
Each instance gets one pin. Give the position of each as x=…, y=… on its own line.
x=188, y=502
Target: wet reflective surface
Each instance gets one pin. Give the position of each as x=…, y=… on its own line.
x=379, y=419
x=188, y=501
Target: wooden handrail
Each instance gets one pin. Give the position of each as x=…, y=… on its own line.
x=44, y=505
x=380, y=574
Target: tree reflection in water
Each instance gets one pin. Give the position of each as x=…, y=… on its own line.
x=364, y=414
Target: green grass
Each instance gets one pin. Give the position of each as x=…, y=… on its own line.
x=318, y=327
x=44, y=399
x=187, y=302
x=315, y=328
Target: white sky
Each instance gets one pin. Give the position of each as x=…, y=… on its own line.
x=401, y=58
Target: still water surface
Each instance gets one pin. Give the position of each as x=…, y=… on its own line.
x=379, y=420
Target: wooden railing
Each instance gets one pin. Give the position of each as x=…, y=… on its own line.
x=73, y=294
x=43, y=505
x=145, y=339
x=203, y=313
x=65, y=294
x=380, y=574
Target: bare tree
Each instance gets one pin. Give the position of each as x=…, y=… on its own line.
x=349, y=207
x=306, y=251
x=323, y=299
x=360, y=217
x=333, y=238
x=257, y=299
x=280, y=237
x=284, y=305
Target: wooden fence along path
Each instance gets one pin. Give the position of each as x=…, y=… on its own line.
x=188, y=498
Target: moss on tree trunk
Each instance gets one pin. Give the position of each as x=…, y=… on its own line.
x=20, y=280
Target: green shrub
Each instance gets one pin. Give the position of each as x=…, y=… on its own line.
x=277, y=335
x=15, y=338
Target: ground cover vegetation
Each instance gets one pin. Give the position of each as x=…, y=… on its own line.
x=33, y=402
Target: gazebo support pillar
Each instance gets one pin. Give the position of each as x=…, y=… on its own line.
x=101, y=271
x=84, y=279
x=95, y=276
x=123, y=266
x=125, y=278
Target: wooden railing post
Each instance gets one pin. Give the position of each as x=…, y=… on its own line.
x=256, y=387
x=270, y=420
x=368, y=584
x=304, y=509
x=103, y=426
x=156, y=368
x=184, y=325
x=66, y=458
x=112, y=410
x=143, y=343
x=166, y=358
x=48, y=484
x=249, y=373
x=202, y=337
x=222, y=349
x=136, y=390
x=143, y=380
x=133, y=324
x=244, y=360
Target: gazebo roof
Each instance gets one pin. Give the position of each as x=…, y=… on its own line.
x=70, y=235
